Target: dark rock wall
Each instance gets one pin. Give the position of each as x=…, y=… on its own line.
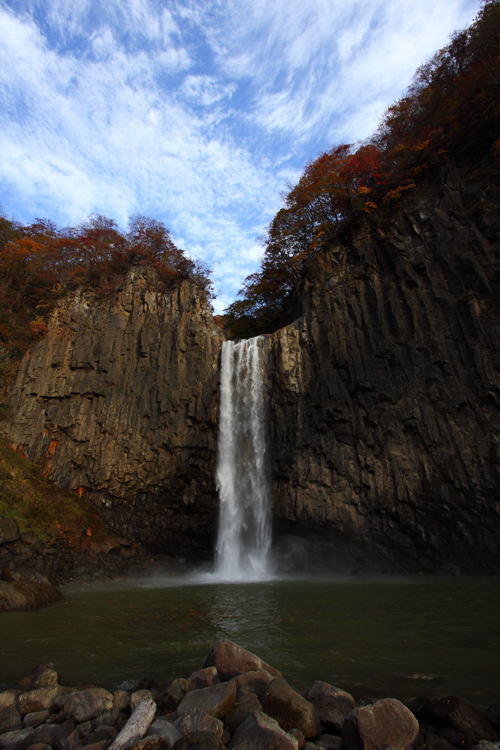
x=119, y=402
x=385, y=394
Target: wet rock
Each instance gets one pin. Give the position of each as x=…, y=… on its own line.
x=10, y=719
x=199, y=741
x=199, y=721
x=217, y=700
x=44, y=675
x=40, y=699
x=375, y=727
x=87, y=704
x=461, y=716
x=261, y=732
x=36, y=718
x=103, y=745
x=164, y=729
x=9, y=530
x=290, y=709
x=39, y=746
x=203, y=678
x=232, y=660
x=24, y=595
x=171, y=697
x=485, y=745
x=255, y=682
x=331, y=703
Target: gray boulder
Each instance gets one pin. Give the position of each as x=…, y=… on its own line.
x=165, y=729
x=384, y=723
x=10, y=719
x=44, y=675
x=253, y=682
x=217, y=700
x=261, y=732
x=199, y=721
x=87, y=704
x=203, y=678
x=331, y=703
x=290, y=709
x=232, y=660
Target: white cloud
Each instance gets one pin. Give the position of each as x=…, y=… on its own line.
x=197, y=113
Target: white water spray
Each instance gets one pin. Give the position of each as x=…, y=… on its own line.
x=244, y=538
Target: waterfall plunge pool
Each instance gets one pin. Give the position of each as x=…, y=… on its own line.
x=375, y=637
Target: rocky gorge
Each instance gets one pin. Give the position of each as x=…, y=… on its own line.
x=383, y=396
x=234, y=700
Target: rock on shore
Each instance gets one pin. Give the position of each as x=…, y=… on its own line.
x=234, y=701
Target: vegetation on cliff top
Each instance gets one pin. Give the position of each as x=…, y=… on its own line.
x=450, y=114
x=39, y=263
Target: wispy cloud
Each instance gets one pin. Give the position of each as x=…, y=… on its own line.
x=196, y=113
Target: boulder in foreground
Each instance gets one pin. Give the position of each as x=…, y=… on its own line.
x=232, y=660
x=384, y=723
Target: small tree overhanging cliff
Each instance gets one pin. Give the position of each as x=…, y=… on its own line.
x=450, y=114
x=39, y=263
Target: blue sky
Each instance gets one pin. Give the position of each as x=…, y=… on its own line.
x=196, y=113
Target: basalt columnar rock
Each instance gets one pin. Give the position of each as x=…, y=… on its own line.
x=118, y=402
x=385, y=392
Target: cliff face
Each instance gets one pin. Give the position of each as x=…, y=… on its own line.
x=119, y=402
x=385, y=394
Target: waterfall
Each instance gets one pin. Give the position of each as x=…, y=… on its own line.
x=244, y=537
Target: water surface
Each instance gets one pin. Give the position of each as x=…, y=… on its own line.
x=375, y=637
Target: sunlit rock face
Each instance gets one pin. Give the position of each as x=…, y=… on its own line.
x=119, y=402
x=385, y=393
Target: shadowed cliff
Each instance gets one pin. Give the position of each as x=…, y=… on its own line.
x=385, y=394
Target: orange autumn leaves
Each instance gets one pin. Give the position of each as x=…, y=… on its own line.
x=450, y=115
x=39, y=263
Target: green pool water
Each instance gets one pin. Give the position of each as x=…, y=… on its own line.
x=375, y=637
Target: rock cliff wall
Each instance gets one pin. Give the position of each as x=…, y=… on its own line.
x=385, y=393
x=119, y=402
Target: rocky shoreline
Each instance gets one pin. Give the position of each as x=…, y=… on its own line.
x=28, y=565
x=236, y=701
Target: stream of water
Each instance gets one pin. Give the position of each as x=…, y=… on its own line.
x=244, y=537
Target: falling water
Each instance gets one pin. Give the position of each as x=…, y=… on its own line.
x=244, y=518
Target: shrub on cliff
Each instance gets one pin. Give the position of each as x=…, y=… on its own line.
x=451, y=112
x=39, y=263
